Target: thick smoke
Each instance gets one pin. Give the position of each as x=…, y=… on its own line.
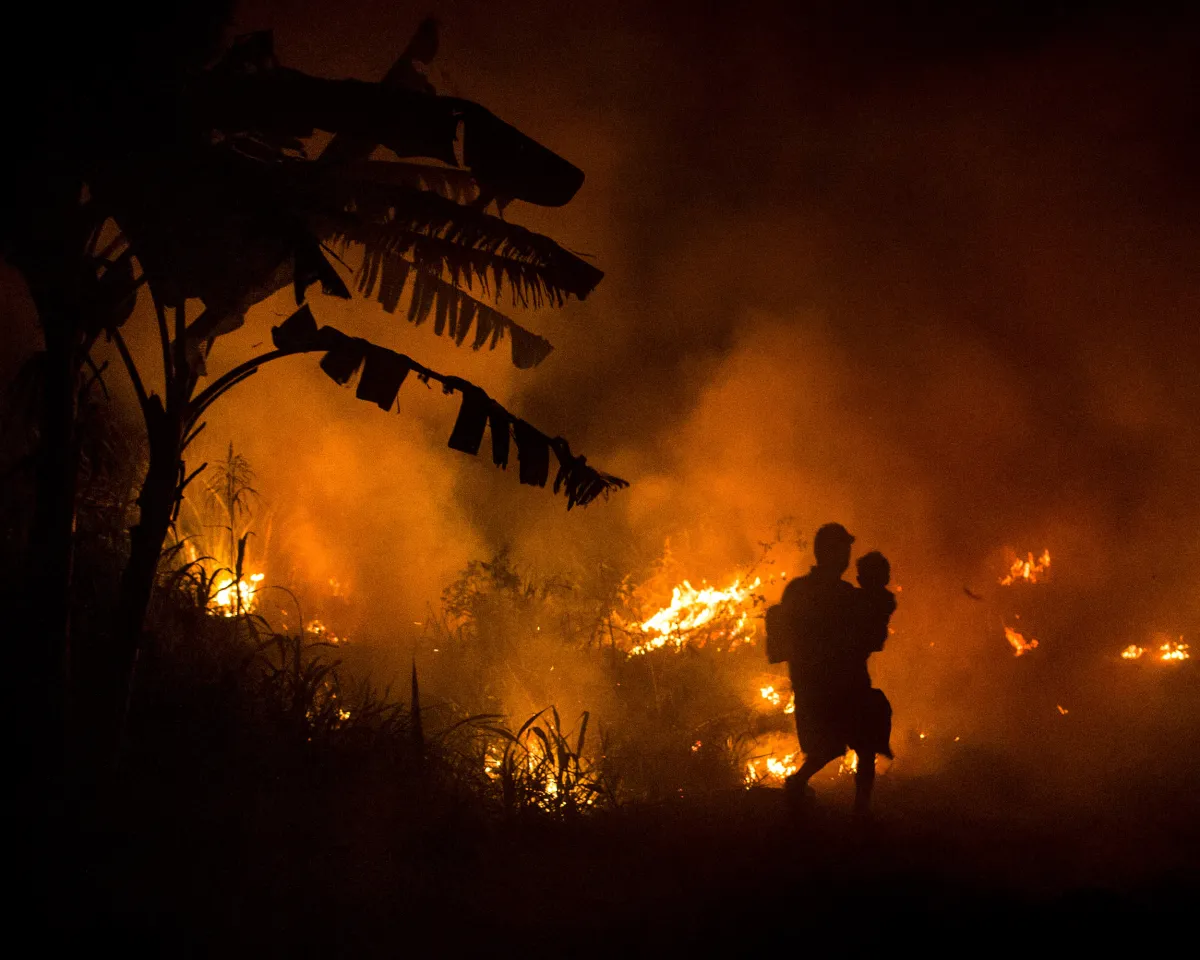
x=935, y=280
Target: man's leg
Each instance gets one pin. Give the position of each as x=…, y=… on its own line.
x=797, y=783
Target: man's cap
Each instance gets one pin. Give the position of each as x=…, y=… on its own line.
x=833, y=533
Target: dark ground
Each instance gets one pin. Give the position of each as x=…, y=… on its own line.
x=353, y=870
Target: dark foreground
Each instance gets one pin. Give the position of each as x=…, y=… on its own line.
x=353, y=870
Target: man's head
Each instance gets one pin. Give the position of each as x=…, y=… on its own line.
x=832, y=548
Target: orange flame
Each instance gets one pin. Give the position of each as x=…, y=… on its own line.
x=775, y=698
x=1174, y=651
x=1027, y=570
x=1170, y=651
x=692, y=610
x=231, y=598
x=1019, y=644
x=774, y=769
x=323, y=634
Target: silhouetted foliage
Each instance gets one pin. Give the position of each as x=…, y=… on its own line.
x=189, y=175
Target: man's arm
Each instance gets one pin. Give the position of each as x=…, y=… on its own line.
x=796, y=615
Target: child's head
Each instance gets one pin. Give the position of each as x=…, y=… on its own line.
x=873, y=570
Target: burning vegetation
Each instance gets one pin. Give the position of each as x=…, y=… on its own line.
x=544, y=768
x=1162, y=651
x=1174, y=651
x=1028, y=570
x=775, y=698
x=668, y=668
x=671, y=670
x=1018, y=641
x=702, y=616
x=234, y=597
x=772, y=770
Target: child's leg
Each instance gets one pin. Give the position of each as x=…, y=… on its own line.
x=864, y=781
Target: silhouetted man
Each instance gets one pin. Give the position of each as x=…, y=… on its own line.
x=827, y=663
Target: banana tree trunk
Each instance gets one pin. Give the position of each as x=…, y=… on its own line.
x=156, y=504
x=46, y=600
x=50, y=229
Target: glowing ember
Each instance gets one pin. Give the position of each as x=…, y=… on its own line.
x=1062, y=710
x=231, y=599
x=724, y=615
x=322, y=633
x=1174, y=650
x=1019, y=644
x=1027, y=570
x=1132, y=652
x=775, y=698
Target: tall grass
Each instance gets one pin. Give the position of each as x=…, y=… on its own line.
x=543, y=768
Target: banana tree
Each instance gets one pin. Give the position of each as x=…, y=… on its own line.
x=230, y=208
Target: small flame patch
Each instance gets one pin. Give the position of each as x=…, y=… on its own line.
x=1028, y=570
x=1018, y=641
